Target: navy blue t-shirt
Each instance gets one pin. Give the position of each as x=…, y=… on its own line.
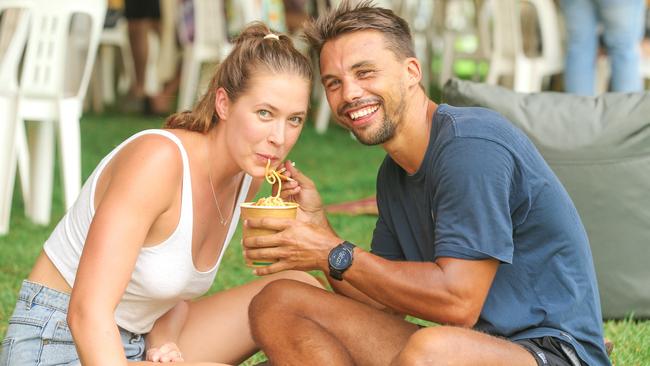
x=484, y=191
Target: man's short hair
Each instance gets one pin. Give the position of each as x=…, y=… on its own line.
x=348, y=18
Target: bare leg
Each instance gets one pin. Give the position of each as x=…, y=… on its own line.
x=138, y=29
x=217, y=327
x=296, y=324
x=460, y=346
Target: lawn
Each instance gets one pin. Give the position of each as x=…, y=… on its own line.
x=343, y=170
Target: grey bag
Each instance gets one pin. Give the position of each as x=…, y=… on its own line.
x=599, y=147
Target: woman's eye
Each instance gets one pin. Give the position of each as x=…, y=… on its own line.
x=296, y=121
x=264, y=114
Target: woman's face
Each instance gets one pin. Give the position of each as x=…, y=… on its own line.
x=265, y=122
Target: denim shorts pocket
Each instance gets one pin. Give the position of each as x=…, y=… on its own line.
x=5, y=352
x=58, y=345
x=60, y=334
x=25, y=340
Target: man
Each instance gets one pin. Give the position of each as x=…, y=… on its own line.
x=474, y=232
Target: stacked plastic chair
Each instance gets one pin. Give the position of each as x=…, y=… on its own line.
x=13, y=36
x=210, y=45
x=507, y=55
x=41, y=97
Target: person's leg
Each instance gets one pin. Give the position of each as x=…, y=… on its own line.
x=461, y=346
x=217, y=326
x=138, y=29
x=582, y=44
x=142, y=17
x=296, y=324
x=623, y=22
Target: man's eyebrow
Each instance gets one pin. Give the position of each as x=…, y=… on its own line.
x=361, y=64
x=358, y=65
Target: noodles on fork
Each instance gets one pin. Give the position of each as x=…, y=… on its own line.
x=272, y=177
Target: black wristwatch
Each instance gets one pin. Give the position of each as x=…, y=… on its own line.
x=340, y=259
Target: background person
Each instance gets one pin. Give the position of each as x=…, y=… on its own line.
x=124, y=266
x=622, y=24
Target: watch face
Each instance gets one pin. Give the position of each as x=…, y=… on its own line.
x=340, y=259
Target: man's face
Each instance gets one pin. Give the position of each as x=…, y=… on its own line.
x=365, y=85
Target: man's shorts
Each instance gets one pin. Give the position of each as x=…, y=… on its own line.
x=142, y=9
x=550, y=351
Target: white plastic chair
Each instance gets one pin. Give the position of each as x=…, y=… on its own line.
x=463, y=19
x=210, y=45
x=507, y=55
x=13, y=36
x=104, y=89
x=42, y=98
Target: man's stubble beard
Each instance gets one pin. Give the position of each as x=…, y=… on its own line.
x=387, y=128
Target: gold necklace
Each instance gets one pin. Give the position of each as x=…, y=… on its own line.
x=223, y=221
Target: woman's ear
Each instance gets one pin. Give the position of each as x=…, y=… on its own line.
x=221, y=103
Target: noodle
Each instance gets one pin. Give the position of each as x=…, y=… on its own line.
x=272, y=177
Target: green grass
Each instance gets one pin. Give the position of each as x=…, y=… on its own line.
x=343, y=170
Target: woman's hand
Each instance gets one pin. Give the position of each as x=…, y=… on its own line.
x=168, y=327
x=302, y=190
x=168, y=352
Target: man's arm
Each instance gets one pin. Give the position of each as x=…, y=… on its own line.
x=449, y=290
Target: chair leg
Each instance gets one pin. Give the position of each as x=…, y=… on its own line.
x=7, y=162
x=70, y=151
x=447, y=70
x=323, y=115
x=22, y=152
x=107, y=55
x=41, y=150
x=189, y=81
x=128, y=75
x=524, y=75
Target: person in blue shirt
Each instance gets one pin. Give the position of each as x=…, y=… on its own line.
x=475, y=232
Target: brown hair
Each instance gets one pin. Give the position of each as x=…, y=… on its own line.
x=348, y=18
x=257, y=49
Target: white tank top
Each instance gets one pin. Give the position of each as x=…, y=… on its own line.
x=164, y=274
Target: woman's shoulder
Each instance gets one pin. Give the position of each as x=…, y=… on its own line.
x=155, y=153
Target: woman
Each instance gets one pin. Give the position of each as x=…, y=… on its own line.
x=152, y=222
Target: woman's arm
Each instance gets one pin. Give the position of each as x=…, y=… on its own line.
x=139, y=185
x=161, y=341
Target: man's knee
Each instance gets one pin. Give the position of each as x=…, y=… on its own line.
x=427, y=346
x=279, y=298
x=272, y=296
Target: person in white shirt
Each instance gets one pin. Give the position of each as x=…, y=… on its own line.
x=119, y=277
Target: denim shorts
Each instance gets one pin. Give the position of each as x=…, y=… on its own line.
x=38, y=333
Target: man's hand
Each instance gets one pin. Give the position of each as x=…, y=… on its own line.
x=168, y=352
x=298, y=245
x=303, y=191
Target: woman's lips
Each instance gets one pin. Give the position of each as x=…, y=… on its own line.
x=264, y=158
